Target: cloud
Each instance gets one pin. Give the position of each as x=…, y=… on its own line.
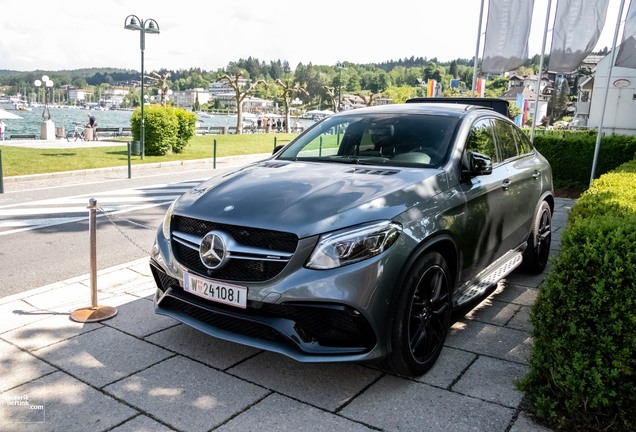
x=74, y=34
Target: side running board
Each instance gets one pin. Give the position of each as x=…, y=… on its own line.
x=489, y=277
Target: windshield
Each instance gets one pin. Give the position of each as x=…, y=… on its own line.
x=377, y=139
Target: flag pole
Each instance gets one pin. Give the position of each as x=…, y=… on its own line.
x=538, y=90
x=599, y=132
x=481, y=16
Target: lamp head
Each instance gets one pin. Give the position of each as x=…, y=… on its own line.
x=152, y=27
x=132, y=23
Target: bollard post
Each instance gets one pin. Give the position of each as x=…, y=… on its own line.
x=129, y=154
x=214, y=155
x=1, y=180
x=93, y=313
x=274, y=142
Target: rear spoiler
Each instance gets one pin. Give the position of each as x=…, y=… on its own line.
x=499, y=105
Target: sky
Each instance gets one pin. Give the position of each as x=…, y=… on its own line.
x=73, y=34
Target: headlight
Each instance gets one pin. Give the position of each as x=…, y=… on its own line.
x=352, y=245
x=165, y=227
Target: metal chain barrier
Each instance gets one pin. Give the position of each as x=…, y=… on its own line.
x=111, y=218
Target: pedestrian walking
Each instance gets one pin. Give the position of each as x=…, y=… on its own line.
x=92, y=123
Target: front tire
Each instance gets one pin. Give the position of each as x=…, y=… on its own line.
x=422, y=316
x=535, y=257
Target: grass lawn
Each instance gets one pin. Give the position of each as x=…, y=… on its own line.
x=23, y=161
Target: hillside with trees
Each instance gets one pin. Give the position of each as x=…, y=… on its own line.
x=397, y=80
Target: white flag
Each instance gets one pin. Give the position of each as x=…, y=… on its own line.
x=627, y=51
x=577, y=27
x=507, y=31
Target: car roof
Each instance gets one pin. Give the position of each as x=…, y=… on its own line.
x=447, y=109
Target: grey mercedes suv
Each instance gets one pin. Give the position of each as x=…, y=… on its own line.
x=357, y=240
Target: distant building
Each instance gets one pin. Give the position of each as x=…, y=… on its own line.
x=522, y=89
x=114, y=96
x=383, y=101
x=227, y=101
x=187, y=98
x=350, y=102
x=221, y=87
x=620, y=106
x=257, y=105
x=76, y=96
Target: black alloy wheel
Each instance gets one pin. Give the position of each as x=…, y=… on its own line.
x=535, y=257
x=423, y=318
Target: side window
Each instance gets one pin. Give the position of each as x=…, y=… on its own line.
x=481, y=139
x=506, y=140
x=523, y=142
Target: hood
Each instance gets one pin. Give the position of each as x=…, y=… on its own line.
x=309, y=198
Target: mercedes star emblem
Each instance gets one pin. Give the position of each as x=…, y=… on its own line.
x=213, y=250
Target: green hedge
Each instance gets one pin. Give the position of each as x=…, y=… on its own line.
x=571, y=155
x=583, y=365
x=612, y=194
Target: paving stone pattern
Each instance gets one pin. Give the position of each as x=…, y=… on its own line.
x=144, y=372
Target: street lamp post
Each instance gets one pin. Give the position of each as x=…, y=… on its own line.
x=132, y=22
x=340, y=69
x=47, y=127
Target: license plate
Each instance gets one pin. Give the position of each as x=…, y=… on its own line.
x=215, y=291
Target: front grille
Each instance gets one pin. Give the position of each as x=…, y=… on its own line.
x=163, y=280
x=254, y=237
x=236, y=270
x=330, y=325
x=248, y=270
x=316, y=328
x=225, y=322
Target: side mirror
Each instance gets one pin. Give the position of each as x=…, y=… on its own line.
x=476, y=164
x=278, y=148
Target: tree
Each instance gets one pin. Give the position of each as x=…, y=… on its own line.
x=367, y=97
x=430, y=71
x=162, y=83
x=514, y=111
x=333, y=97
x=241, y=92
x=290, y=89
x=452, y=69
x=197, y=105
x=496, y=86
x=558, y=100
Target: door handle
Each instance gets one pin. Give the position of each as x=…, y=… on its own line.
x=536, y=175
x=506, y=184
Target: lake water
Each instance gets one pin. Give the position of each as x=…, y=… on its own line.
x=30, y=121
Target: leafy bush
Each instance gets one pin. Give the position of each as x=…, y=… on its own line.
x=167, y=129
x=187, y=127
x=583, y=365
x=571, y=154
x=161, y=127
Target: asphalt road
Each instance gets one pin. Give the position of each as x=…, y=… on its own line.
x=44, y=233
